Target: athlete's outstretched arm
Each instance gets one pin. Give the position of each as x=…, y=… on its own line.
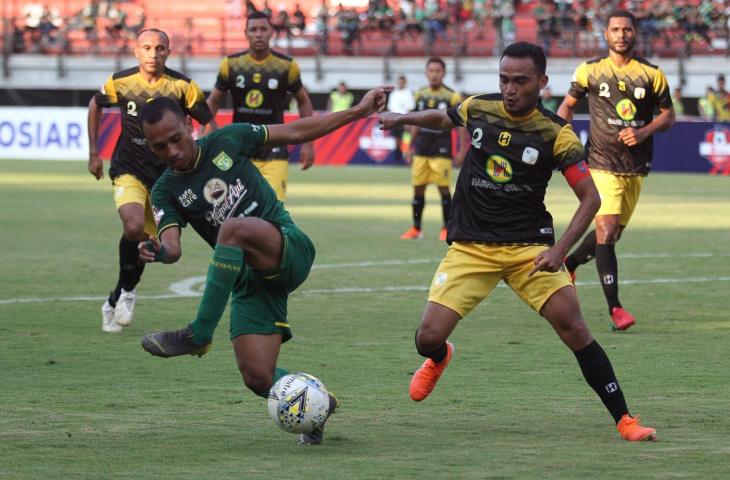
x=96, y=165
x=567, y=108
x=304, y=106
x=166, y=250
x=435, y=119
x=552, y=259
x=308, y=129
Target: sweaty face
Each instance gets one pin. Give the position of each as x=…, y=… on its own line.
x=620, y=35
x=152, y=50
x=435, y=74
x=258, y=33
x=520, y=84
x=171, y=139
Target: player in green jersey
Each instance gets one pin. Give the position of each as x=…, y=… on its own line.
x=260, y=255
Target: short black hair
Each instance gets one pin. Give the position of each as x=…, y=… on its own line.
x=721, y=78
x=527, y=50
x=621, y=13
x=153, y=111
x=438, y=60
x=257, y=15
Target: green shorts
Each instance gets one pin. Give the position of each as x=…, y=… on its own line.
x=259, y=299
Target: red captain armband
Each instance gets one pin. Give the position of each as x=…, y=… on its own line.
x=576, y=172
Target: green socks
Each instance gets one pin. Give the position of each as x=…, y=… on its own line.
x=225, y=267
x=278, y=373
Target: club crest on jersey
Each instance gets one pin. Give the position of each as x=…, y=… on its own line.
x=504, y=139
x=639, y=93
x=273, y=84
x=215, y=191
x=256, y=77
x=254, y=98
x=499, y=169
x=223, y=161
x=626, y=109
x=622, y=85
x=529, y=155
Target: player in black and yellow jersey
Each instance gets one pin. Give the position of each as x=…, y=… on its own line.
x=134, y=168
x=260, y=80
x=500, y=229
x=623, y=92
x=430, y=151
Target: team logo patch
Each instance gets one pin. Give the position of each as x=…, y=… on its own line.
x=256, y=77
x=626, y=109
x=254, y=98
x=622, y=85
x=529, y=155
x=118, y=192
x=215, y=191
x=499, y=169
x=273, y=84
x=440, y=278
x=443, y=105
x=223, y=161
x=504, y=138
x=639, y=93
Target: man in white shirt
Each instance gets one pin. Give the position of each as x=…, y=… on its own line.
x=400, y=101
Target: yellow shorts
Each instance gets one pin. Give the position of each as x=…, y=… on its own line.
x=129, y=189
x=427, y=170
x=470, y=271
x=619, y=193
x=276, y=172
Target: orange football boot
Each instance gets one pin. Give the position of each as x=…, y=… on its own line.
x=622, y=319
x=412, y=233
x=443, y=234
x=425, y=378
x=630, y=429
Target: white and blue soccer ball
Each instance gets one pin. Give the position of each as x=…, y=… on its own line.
x=298, y=403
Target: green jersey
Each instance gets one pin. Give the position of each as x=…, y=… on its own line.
x=223, y=184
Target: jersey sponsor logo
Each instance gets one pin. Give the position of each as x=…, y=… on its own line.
x=504, y=139
x=499, y=169
x=443, y=105
x=226, y=202
x=546, y=231
x=223, y=161
x=273, y=84
x=215, y=191
x=622, y=85
x=626, y=109
x=529, y=155
x=187, y=198
x=256, y=77
x=639, y=93
x=254, y=98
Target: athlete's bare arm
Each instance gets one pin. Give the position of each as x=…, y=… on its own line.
x=214, y=102
x=567, y=108
x=304, y=106
x=551, y=260
x=660, y=123
x=435, y=119
x=96, y=165
x=308, y=129
x=168, y=244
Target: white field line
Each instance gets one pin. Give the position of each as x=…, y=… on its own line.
x=185, y=288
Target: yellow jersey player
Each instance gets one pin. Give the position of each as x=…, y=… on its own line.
x=430, y=152
x=623, y=92
x=260, y=80
x=134, y=168
x=501, y=230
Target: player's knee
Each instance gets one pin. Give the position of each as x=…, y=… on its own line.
x=574, y=332
x=134, y=229
x=258, y=382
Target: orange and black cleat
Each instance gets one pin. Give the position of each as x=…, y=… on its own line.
x=412, y=233
x=425, y=378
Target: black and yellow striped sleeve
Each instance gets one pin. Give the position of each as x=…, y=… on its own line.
x=459, y=114
x=107, y=96
x=567, y=149
x=294, y=79
x=660, y=86
x=195, y=103
x=222, y=81
x=579, y=84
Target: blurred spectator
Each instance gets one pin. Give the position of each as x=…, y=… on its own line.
x=706, y=105
x=721, y=101
x=548, y=101
x=139, y=25
x=89, y=15
x=348, y=25
x=51, y=22
x=322, y=28
x=33, y=15
x=117, y=22
x=340, y=99
x=547, y=29
x=677, y=101
x=400, y=100
x=266, y=10
x=298, y=21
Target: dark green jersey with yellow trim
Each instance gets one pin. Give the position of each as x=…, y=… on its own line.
x=500, y=192
x=223, y=184
x=130, y=91
x=428, y=142
x=259, y=91
x=620, y=97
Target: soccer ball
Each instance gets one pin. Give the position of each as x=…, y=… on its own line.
x=298, y=403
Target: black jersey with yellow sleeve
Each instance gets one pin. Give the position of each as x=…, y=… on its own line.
x=500, y=192
x=428, y=142
x=222, y=184
x=620, y=97
x=259, y=91
x=130, y=92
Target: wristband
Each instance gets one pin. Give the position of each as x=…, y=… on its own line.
x=159, y=256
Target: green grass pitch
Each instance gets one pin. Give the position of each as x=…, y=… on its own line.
x=78, y=403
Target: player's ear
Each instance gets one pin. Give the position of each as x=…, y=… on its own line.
x=189, y=124
x=544, y=81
